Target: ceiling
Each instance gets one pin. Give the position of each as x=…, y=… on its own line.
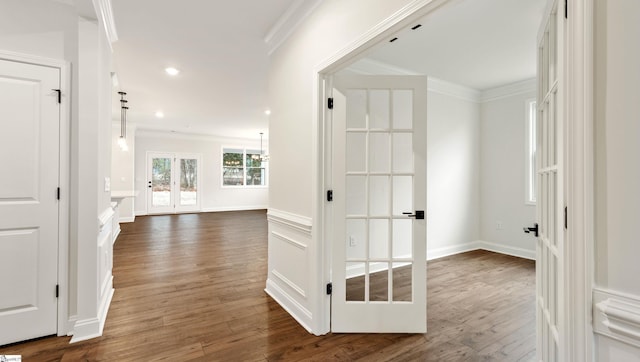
x=478, y=44
x=220, y=49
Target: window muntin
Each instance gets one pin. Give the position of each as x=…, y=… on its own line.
x=243, y=167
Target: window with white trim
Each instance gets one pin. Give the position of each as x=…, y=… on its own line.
x=531, y=130
x=243, y=167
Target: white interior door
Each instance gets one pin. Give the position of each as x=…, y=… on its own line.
x=29, y=145
x=550, y=210
x=173, y=183
x=379, y=185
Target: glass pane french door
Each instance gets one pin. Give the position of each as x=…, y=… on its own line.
x=173, y=181
x=379, y=182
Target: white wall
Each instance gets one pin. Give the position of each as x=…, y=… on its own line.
x=214, y=196
x=122, y=170
x=502, y=171
x=453, y=171
x=617, y=106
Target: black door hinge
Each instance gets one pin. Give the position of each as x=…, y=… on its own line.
x=330, y=103
x=329, y=288
x=329, y=195
x=58, y=193
x=57, y=290
x=566, y=219
x=59, y=95
x=566, y=9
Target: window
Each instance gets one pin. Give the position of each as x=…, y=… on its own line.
x=531, y=128
x=243, y=167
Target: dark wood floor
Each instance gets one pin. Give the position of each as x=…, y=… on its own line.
x=191, y=288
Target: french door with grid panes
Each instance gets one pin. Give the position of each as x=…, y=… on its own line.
x=379, y=187
x=550, y=183
x=173, y=181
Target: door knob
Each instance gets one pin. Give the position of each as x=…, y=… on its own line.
x=419, y=214
x=534, y=229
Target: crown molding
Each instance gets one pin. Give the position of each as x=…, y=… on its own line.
x=368, y=66
x=288, y=22
x=508, y=90
x=104, y=11
x=453, y=90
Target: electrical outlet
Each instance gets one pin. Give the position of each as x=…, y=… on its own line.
x=352, y=241
x=499, y=225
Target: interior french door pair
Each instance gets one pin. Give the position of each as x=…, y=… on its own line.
x=173, y=183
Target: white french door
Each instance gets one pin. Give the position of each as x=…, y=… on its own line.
x=173, y=183
x=551, y=328
x=379, y=198
x=30, y=149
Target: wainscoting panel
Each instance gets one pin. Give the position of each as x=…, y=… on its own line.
x=617, y=315
x=288, y=279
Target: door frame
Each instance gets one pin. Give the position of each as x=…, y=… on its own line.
x=175, y=156
x=65, y=325
x=579, y=164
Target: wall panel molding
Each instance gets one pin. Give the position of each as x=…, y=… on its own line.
x=298, y=222
x=617, y=315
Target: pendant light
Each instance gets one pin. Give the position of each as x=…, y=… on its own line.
x=122, y=140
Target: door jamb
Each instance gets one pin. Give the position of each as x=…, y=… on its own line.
x=64, y=325
x=579, y=162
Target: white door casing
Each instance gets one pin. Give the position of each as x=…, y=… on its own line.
x=379, y=175
x=165, y=192
x=550, y=266
x=29, y=206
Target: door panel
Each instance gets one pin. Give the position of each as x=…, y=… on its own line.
x=550, y=183
x=161, y=183
x=379, y=178
x=30, y=123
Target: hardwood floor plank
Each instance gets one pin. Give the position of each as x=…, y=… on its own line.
x=191, y=288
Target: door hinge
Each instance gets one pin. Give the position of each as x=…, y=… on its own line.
x=566, y=9
x=59, y=95
x=57, y=290
x=329, y=195
x=330, y=103
x=566, y=219
x=58, y=193
x=329, y=288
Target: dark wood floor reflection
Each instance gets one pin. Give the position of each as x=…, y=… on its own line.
x=191, y=288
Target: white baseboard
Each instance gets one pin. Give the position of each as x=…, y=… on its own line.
x=85, y=329
x=505, y=249
x=617, y=315
x=451, y=250
x=234, y=208
x=140, y=213
x=295, y=309
x=126, y=219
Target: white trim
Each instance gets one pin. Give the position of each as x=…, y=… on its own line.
x=507, y=250
x=105, y=217
x=617, y=315
x=297, y=222
x=508, y=90
x=289, y=22
x=529, y=140
x=233, y=208
x=105, y=11
x=580, y=194
x=289, y=283
x=126, y=219
x=143, y=132
x=453, y=90
x=301, y=314
x=91, y=328
x=438, y=253
x=65, y=324
x=292, y=242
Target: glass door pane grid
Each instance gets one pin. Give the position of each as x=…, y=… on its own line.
x=388, y=143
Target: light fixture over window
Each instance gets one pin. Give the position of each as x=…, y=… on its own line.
x=122, y=140
x=263, y=157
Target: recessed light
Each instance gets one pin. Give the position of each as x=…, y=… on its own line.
x=267, y=112
x=159, y=114
x=171, y=71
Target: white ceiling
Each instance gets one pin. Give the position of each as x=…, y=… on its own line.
x=220, y=48
x=476, y=43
